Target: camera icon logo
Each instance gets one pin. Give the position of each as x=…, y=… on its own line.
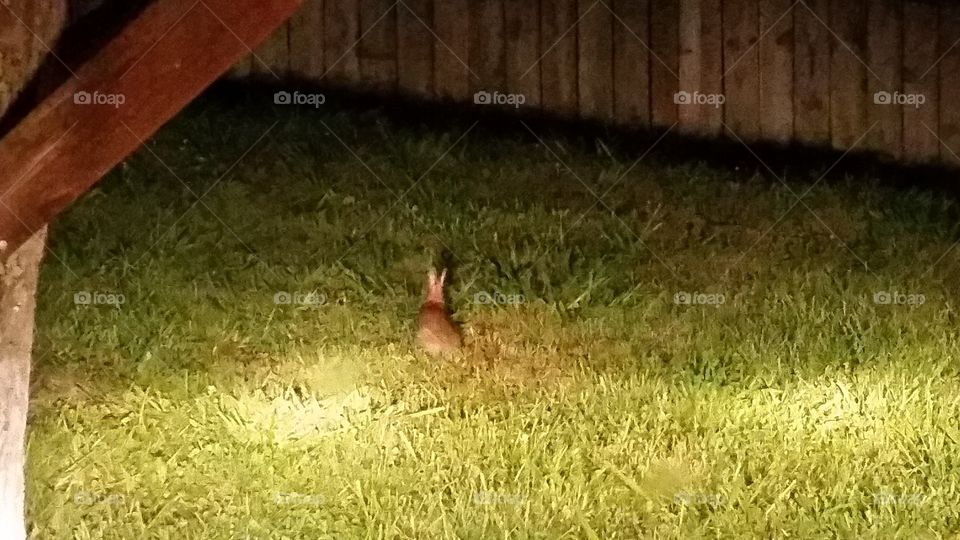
x=482, y=98
x=82, y=298
x=682, y=98
x=282, y=98
x=882, y=97
x=82, y=98
x=282, y=298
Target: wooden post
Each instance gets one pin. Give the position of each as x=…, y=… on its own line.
x=21, y=53
x=121, y=96
x=17, y=306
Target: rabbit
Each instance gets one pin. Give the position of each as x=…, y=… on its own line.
x=436, y=332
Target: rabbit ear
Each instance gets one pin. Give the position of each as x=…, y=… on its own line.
x=443, y=276
x=432, y=277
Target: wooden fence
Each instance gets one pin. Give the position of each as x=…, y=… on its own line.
x=880, y=75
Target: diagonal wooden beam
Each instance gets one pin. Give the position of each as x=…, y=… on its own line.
x=156, y=65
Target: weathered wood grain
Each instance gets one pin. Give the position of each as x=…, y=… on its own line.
x=595, y=67
x=776, y=69
x=415, y=47
x=949, y=68
x=885, y=59
x=664, y=62
x=811, y=68
x=741, y=59
x=306, y=40
x=920, y=54
x=341, y=34
x=631, y=62
x=848, y=73
x=452, y=74
x=378, y=45
x=558, y=64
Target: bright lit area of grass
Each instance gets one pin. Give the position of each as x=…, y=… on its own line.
x=698, y=356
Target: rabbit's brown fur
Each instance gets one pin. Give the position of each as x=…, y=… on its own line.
x=436, y=333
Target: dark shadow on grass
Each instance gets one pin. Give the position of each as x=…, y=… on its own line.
x=795, y=164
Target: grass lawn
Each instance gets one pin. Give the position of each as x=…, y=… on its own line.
x=699, y=356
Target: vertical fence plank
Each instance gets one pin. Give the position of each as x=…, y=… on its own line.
x=884, y=50
x=487, y=49
x=776, y=69
x=378, y=45
x=949, y=83
x=558, y=66
x=701, y=66
x=522, y=28
x=920, y=78
x=848, y=73
x=664, y=64
x=741, y=70
x=452, y=74
x=272, y=57
x=342, y=25
x=711, y=65
x=690, y=64
x=811, y=83
x=306, y=40
x=415, y=47
x=595, y=68
x=631, y=62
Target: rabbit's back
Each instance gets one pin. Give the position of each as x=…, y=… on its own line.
x=435, y=331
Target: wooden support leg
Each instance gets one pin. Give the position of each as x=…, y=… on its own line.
x=18, y=286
